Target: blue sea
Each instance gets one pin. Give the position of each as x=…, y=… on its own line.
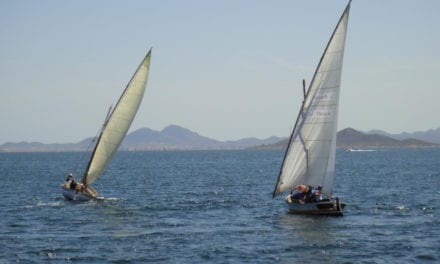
x=217, y=207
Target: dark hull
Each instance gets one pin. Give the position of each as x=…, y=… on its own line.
x=328, y=207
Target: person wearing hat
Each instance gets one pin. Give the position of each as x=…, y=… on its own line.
x=70, y=182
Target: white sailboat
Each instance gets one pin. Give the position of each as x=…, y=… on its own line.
x=113, y=132
x=310, y=155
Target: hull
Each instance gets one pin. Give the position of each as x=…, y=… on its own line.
x=327, y=207
x=74, y=195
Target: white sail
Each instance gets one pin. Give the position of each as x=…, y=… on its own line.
x=116, y=126
x=310, y=155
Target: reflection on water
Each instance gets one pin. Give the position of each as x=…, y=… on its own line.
x=315, y=230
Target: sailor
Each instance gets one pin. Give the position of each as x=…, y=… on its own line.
x=69, y=180
x=79, y=187
x=299, y=193
x=318, y=193
x=306, y=193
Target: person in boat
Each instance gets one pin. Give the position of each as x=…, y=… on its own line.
x=318, y=193
x=299, y=193
x=69, y=183
x=73, y=185
x=306, y=193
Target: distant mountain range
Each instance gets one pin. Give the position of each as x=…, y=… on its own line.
x=178, y=138
x=351, y=138
x=432, y=135
x=170, y=138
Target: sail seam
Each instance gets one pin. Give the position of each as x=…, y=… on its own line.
x=335, y=51
x=320, y=105
x=315, y=140
x=316, y=122
x=330, y=70
x=328, y=87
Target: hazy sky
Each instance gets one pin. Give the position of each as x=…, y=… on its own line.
x=225, y=69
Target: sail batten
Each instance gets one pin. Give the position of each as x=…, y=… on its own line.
x=118, y=123
x=310, y=154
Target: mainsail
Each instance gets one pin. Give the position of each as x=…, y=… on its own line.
x=310, y=154
x=117, y=124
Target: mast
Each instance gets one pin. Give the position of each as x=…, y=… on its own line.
x=304, y=88
x=290, y=140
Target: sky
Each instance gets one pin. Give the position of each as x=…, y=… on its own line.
x=224, y=69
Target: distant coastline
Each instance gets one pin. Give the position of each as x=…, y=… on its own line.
x=178, y=138
x=350, y=138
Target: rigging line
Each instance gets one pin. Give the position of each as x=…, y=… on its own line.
x=305, y=111
x=300, y=135
x=303, y=143
x=289, y=144
x=100, y=132
x=75, y=169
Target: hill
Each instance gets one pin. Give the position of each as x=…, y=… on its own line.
x=432, y=135
x=178, y=138
x=351, y=138
x=170, y=138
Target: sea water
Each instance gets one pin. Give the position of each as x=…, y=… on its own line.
x=217, y=207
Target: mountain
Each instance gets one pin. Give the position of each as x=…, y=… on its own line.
x=170, y=138
x=178, y=138
x=278, y=145
x=432, y=135
x=351, y=138
x=250, y=142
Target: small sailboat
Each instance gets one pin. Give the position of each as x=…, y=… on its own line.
x=309, y=159
x=113, y=131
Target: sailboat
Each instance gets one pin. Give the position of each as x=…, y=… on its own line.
x=309, y=158
x=113, y=131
